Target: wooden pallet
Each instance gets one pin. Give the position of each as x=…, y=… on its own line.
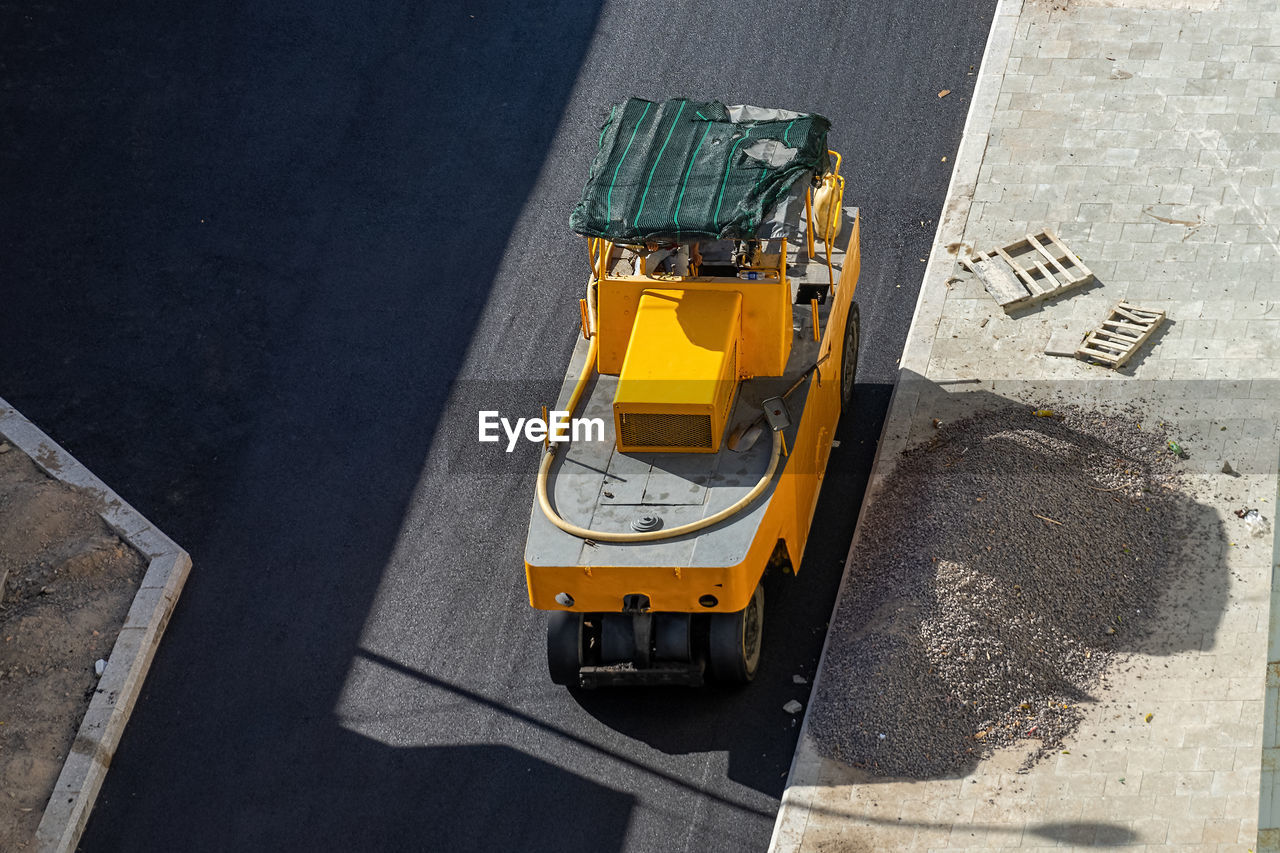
x=1029, y=271
x=1126, y=328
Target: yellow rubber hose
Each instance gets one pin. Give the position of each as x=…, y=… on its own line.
x=548, y=457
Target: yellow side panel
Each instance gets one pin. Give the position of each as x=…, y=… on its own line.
x=766, y=320
x=852, y=259
x=597, y=589
x=808, y=462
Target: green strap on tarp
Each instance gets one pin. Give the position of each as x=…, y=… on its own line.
x=685, y=170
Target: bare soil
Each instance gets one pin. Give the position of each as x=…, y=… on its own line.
x=70, y=581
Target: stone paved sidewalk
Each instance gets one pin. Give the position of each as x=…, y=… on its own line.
x=1147, y=134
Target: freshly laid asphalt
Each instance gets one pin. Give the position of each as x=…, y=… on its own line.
x=262, y=265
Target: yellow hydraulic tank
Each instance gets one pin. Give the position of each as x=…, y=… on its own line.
x=680, y=371
x=826, y=210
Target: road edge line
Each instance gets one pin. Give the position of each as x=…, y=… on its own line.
x=118, y=689
x=802, y=780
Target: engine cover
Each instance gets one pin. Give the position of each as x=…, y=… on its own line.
x=680, y=372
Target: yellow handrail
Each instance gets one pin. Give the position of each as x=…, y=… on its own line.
x=837, y=180
x=808, y=218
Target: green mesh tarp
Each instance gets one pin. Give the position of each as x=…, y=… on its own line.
x=689, y=170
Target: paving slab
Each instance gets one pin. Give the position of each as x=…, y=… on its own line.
x=1146, y=136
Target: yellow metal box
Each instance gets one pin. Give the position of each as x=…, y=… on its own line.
x=680, y=371
x=766, y=319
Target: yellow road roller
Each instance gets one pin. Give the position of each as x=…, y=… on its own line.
x=718, y=349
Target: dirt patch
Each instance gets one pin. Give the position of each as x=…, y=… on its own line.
x=1002, y=569
x=70, y=581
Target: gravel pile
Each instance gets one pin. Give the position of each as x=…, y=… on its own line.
x=1003, y=565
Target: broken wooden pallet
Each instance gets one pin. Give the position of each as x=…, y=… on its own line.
x=1126, y=328
x=1029, y=271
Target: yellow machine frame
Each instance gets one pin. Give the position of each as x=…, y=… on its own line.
x=764, y=311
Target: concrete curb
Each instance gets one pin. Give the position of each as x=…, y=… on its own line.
x=117, y=691
x=1269, y=782
x=803, y=780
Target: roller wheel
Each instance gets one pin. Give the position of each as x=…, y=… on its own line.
x=672, y=636
x=564, y=647
x=849, y=359
x=735, y=641
x=617, y=638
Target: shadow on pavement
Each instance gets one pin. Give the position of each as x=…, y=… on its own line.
x=1078, y=832
x=456, y=691
x=249, y=244
x=390, y=798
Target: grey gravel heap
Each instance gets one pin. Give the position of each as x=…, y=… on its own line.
x=1001, y=567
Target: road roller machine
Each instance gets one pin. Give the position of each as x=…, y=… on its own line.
x=719, y=342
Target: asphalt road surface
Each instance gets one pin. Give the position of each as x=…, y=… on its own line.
x=263, y=262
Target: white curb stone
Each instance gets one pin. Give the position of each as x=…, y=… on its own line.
x=121, y=682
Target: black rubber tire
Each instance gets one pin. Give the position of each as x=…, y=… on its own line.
x=672, y=635
x=564, y=647
x=617, y=638
x=734, y=644
x=849, y=357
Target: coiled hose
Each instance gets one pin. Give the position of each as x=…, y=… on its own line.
x=548, y=457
